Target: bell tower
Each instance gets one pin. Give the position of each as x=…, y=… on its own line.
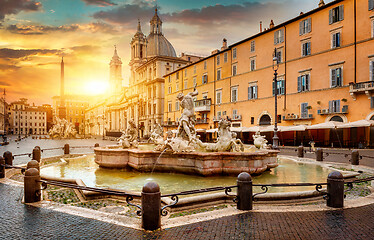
x=138, y=51
x=115, y=75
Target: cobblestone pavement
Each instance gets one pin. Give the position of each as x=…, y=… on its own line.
x=336, y=155
x=19, y=221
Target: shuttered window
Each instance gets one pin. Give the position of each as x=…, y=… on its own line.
x=336, y=40
x=372, y=70
x=305, y=26
x=305, y=49
x=336, y=14
x=304, y=110
x=337, y=77
x=334, y=106
x=371, y=5
x=280, y=87
x=303, y=83
x=278, y=36
x=252, y=92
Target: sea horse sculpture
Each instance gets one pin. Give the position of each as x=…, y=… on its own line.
x=226, y=141
x=129, y=138
x=259, y=141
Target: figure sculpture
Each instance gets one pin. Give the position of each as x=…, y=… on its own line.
x=129, y=138
x=186, y=126
x=157, y=137
x=226, y=141
x=62, y=129
x=259, y=141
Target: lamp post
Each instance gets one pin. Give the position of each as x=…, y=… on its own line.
x=275, y=68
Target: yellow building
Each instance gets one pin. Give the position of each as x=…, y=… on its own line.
x=326, y=73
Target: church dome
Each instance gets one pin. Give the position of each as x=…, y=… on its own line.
x=158, y=45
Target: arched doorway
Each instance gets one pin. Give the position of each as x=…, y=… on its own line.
x=337, y=119
x=265, y=120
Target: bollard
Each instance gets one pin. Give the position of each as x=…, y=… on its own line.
x=244, y=193
x=335, y=190
x=355, y=157
x=32, y=186
x=2, y=167
x=151, y=206
x=33, y=164
x=8, y=157
x=300, y=151
x=97, y=145
x=66, y=149
x=319, y=154
x=36, y=154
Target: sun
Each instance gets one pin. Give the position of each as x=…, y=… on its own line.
x=96, y=87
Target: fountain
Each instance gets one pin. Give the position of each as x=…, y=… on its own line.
x=62, y=129
x=186, y=153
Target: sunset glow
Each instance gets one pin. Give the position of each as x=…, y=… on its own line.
x=96, y=87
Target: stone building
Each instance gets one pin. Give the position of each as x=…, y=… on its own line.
x=26, y=119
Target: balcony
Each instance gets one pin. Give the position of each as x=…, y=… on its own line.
x=293, y=117
x=170, y=124
x=236, y=117
x=203, y=105
x=202, y=120
x=362, y=87
x=344, y=110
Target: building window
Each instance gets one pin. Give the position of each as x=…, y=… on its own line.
x=305, y=26
x=185, y=73
x=334, y=106
x=305, y=49
x=304, y=110
x=371, y=5
x=225, y=57
x=194, y=81
x=337, y=77
x=234, y=94
x=336, y=14
x=253, y=64
x=303, y=83
x=169, y=106
x=371, y=102
x=335, y=39
x=252, y=120
x=279, y=55
x=253, y=46
x=218, y=59
x=372, y=27
x=194, y=69
x=185, y=84
x=219, y=74
x=234, y=53
x=218, y=96
x=205, y=65
x=280, y=87
x=278, y=36
x=234, y=72
x=219, y=115
x=234, y=113
x=371, y=66
x=176, y=106
x=205, y=79
x=177, y=86
x=252, y=92
x=169, y=89
x=177, y=77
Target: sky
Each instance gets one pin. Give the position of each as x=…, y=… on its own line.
x=35, y=34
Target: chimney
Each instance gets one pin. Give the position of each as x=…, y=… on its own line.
x=301, y=13
x=260, y=26
x=321, y=3
x=271, y=24
x=224, y=44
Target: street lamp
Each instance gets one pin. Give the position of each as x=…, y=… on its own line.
x=275, y=68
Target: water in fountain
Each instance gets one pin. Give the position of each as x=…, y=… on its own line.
x=154, y=165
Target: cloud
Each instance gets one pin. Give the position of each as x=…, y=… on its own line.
x=15, y=6
x=38, y=30
x=44, y=29
x=7, y=67
x=100, y=3
x=3, y=83
x=7, y=53
x=127, y=14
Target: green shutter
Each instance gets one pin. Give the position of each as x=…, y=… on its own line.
x=330, y=16
x=341, y=12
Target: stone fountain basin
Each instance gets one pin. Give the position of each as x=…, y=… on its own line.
x=200, y=163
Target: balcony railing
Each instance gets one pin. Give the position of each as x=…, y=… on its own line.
x=332, y=111
x=202, y=120
x=362, y=87
x=203, y=105
x=302, y=116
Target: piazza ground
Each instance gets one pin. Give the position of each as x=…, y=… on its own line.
x=20, y=221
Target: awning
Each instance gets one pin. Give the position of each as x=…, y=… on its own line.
x=359, y=123
x=326, y=125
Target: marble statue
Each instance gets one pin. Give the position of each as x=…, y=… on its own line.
x=157, y=137
x=129, y=138
x=186, y=124
x=259, y=141
x=62, y=129
x=226, y=141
